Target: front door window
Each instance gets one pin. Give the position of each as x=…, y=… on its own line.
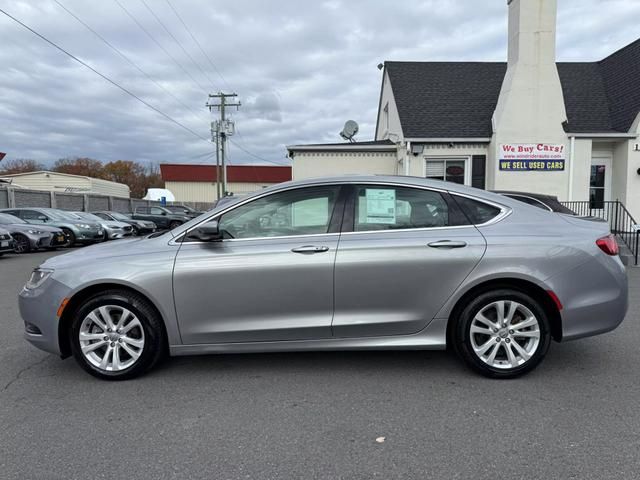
x=597, y=186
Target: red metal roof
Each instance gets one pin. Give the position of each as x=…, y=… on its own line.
x=173, y=172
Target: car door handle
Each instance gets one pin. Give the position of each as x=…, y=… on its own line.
x=310, y=249
x=447, y=244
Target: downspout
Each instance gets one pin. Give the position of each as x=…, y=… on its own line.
x=407, y=161
x=570, y=166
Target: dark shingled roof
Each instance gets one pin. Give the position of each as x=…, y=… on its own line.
x=457, y=99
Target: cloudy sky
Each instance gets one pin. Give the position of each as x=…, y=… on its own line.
x=301, y=68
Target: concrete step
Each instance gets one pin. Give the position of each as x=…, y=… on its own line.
x=628, y=259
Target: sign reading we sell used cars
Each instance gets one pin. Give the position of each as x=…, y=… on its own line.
x=522, y=157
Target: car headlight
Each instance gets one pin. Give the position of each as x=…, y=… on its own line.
x=34, y=232
x=38, y=277
x=83, y=225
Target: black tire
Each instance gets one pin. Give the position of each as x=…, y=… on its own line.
x=155, y=343
x=71, y=237
x=174, y=224
x=463, y=344
x=22, y=244
x=134, y=231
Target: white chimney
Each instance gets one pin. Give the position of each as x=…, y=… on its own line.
x=530, y=108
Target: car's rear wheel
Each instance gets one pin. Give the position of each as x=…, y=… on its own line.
x=502, y=333
x=70, y=237
x=117, y=335
x=22, y=244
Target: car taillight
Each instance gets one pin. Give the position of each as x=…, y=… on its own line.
x=608, y=245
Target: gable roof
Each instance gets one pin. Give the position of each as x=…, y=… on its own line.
x=174, y=172
x=457, y=99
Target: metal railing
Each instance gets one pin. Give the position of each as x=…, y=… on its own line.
x=620, y=220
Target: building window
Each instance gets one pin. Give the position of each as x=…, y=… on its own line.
x=448, y=169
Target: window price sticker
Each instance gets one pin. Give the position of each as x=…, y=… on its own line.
x=381, y=205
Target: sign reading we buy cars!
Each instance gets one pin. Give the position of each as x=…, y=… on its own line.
x=520, y=157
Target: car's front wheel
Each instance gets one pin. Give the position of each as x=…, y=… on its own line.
x=70, y=238
x=117, y=335
x=22, y=244
x=174, y=224
x=502, y=333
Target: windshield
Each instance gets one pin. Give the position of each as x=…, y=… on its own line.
x=120, y=216
x=61, y=215
x=6, y=219
x=88, y=216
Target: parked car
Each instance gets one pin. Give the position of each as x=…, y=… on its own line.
x=6, y=242
x=75, y=230
x=140, y=227
x=113, y=230
x=184, y=210
x=29, y=237
x=544, y=202
x=336, y=264
x=163, y=218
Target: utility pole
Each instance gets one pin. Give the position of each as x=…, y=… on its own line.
x=225, y=128
x=215, y=138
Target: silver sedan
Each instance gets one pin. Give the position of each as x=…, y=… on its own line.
x=336, y=264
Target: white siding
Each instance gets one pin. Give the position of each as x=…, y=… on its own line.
x=105, y=187
x=61, y=182
x=206, y=191
x=322, y=164
x=388, y=129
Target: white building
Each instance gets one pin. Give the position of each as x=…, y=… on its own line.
x=197, y=183
x=531, y=124
x=67, y=183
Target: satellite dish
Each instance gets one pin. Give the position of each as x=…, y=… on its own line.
x=350, y=130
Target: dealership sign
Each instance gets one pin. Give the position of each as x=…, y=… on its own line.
x=522, y=157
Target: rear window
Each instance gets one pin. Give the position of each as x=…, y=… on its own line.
x=477, y=212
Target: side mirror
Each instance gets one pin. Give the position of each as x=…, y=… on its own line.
x=207, y=232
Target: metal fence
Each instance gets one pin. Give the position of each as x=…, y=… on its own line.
x=621, y=221
x=11, y=197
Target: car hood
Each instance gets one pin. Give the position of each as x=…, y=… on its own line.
x=124, y=248
x=24, y=227
x=115, y=224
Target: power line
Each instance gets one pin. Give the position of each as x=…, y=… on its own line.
x=131, y=62
x=254, y=155
x=177, y=42
x=195, y=40
x=113, y=82
x=135, y=20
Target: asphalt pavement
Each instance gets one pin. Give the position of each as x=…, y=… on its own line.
x=354, y=415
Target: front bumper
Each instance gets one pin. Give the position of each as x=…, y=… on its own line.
x=90, y=236
x=38, y=310
x=7, y=246
x=594, y=297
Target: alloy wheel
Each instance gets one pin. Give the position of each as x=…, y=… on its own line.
x=111, y=338
x=21, y=244
x=505, y=334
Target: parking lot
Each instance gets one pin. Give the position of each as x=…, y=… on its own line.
x=318, y=415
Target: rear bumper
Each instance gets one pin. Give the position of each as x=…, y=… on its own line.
x=594, y=297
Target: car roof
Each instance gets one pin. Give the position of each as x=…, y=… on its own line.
x=394, y=179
